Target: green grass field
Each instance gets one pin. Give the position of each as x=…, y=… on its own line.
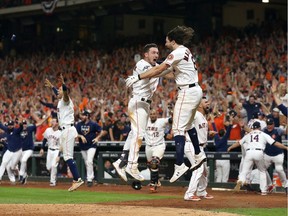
x=9, y=195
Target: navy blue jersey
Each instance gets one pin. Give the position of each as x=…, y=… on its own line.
x=13, y=137
x=3, y=137
x=221, y=143
x=27, y=138
x=89, y=131
x=276, y=134
x=251, y=108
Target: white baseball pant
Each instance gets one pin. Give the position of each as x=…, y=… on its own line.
x=222, y=170
x=67, y=141
x=88, y=156
x=52, y=164
x=9, y=162
x=24, y=158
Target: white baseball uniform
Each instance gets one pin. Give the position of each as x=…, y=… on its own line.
x=65, y=112
x=154, y=138
x=189, y=94
x=199, y=179
x=53, y=142
x=254, y=144
x=138, y=111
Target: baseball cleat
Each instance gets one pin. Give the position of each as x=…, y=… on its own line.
x=120, y=171
x=199, y=160
x=52, y=184
x=238, y=186
x=89, y=183
x=134, y=173
x=76, y=184
x=263, y=194
x=270, y=189
x=192, y=198
x=153, y=187
x=178, y=172
x=207, y=196
x=24, y=180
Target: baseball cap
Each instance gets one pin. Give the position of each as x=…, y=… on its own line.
x=10, y=122
x=24, y=121
x=276, y=109
x=123, y=115
x=270, y=121
x=86, y=112
x=256, y=125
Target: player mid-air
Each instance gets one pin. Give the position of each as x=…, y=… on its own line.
x=181, y=62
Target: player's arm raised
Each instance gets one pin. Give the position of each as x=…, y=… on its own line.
x=235, y=145
x=64, y=88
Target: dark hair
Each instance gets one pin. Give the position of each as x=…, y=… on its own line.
x=221, y=132
x=148, y=46
x=181, y=35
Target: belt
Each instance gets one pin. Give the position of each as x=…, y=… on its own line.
x=53, y=149
x=63, y=128
x=146, y=100
x=188, y=86
x=258, y=149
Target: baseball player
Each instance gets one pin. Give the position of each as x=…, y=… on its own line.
x=155, y=146
x=89, y=129
x=199, y=179
x=52, y=139
x=273, y=154
x=27, y=139
x=138, y=110
x=14, y=150
x=181, y=62
x=254, y=144
x=65, y=112
x=221, y=145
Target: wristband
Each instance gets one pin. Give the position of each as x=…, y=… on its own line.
x=64, y=87
x=55, y=91
x=139, y=77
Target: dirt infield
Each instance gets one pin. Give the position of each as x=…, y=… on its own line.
x=167, y=207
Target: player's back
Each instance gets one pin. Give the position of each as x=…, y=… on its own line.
x=183, y=63
x=256, y=139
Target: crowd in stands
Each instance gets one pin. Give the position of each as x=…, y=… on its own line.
x=236, y=70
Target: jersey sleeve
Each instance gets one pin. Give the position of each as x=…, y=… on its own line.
x=173, y=58
x=269, y=139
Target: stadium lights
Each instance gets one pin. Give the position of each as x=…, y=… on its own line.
x=265, y=1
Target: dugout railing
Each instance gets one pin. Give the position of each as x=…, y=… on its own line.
x=110, y=151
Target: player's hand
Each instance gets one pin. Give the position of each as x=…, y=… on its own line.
x=41, y=152
x=96, y=140
x=83, y=139
x=61, y=79
x=131, y=80
x=48, y=83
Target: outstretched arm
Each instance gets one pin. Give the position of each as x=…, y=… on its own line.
x=64, y=88
x=49, y=85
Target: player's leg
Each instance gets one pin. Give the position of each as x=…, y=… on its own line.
x=23, y=168
x=5, y=160
x=67, y=141
x=246, y=166
x=225, y=170
x=203, y=183
x=54, y=165
x=154, y=163
x=267, y=163
x=16, y=156
x=190, y=194
x=89, y=166
x=278, y=162
x=139, y=120
x=219, y=174
x=259, y=161
x=121, y=163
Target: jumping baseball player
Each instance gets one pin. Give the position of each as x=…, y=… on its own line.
x=52, y=139
x=273, y=154
x=254, y=144
x=65, y=112
x=14, y=150
x=89, y=129
x=199, y=179
x=181, y=62
x=138, y=110
x=155, y=146
x=27, y=139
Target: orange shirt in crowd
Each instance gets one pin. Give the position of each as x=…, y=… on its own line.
x=39, y=132
x=219, y=122
x=235, y=133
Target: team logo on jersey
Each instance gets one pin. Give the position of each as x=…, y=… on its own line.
x=24, y=134
x=85, y=129
x=170, y=57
